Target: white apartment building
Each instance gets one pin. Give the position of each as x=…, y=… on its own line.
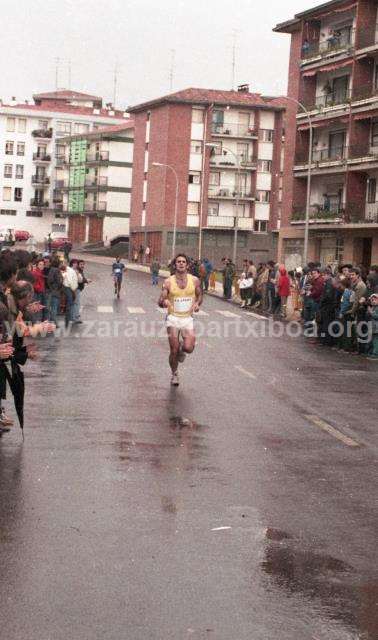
x=30, y=137
x=93, y=183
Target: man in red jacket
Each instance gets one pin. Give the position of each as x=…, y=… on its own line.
x=39, y=286
x=283, y=289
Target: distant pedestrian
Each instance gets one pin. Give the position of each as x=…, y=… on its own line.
x=154, y=269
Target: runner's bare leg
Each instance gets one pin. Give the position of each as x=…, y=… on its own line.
x=174, y=346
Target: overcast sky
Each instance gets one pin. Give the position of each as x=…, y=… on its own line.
x=139, y=36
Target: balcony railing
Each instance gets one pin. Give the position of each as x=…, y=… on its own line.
x=329, y=99
x=100, y=181
x=42, y=133
x=95, y=206
x=57, y=196
x=364, y=92
x=216, y=191
x=334, y=44
x=43, y=180
x=329, y=154
x=226, y=161
x=229, y=222
x=371, y=212
x=368, y=37
x=235, y=130
x=319, y=212
x=58, y=206
x=41, y=157
x=41, y=204
x=98, y=156
x=60, y=160
x=367, y=214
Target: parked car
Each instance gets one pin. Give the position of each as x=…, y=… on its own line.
x=21, y=236
x=58, y=243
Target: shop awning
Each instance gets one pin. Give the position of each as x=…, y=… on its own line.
x=322, y=123
x=326, y=68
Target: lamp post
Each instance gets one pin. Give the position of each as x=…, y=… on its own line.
x=308, y=193
x=212, y=145
x=168, y=166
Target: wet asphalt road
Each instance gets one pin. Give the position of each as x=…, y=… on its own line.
x=217, y=510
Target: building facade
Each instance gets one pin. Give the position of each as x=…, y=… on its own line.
x=93, y=183
x=223, y=151
x=30, y=137
x=333, y=72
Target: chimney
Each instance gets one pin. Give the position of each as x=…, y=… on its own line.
x=243, y=88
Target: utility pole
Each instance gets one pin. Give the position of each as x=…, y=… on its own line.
x=57, y=62
x=233, y=67
x=115, y=83
x=172, y=69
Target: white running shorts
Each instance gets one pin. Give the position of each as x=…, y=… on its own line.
x=180, y=323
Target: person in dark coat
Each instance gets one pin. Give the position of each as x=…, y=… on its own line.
x=327, y=309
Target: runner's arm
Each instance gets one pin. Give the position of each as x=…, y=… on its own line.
x=163, y=300
x=199, y=295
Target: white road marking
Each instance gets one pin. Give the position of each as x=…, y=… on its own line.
x=238, y=367
x=220, y=528
x=318, y=422
x=255, y=315
x=103, y=309
x=228, y=314
x=135, y=310
x=201, y=312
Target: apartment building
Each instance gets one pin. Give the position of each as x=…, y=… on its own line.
x=30, y=137
x=93, y=183
x=220, y=152
x=333, y=73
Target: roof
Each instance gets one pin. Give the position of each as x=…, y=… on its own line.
x=207, y=97
x=289, y=25
x=67, y=108
x=115, y=128
x=66, y=94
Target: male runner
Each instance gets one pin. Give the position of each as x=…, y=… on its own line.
x=181, y=295
x=117, y=269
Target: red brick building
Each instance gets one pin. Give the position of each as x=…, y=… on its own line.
x=333, y=72
x=225, y=147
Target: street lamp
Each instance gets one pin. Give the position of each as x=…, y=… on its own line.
x=168, y=166
x=215, y=145
x=308, y=194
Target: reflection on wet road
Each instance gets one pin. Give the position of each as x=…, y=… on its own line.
x=212, y=511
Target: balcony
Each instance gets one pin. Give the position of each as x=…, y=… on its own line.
x=228, y=222
x=40, y=180
x=234, y=130
x=100, y=181
x=319, y=213
x=371, y=213
x=342, y=43
x=368, y=38
x=99, y=156
x=57, y=197
x=94, y=207
x=40, y=204
x=329, y=156
x=368, y=214
x=329, y=99
x=41, y=157
x=60, y=161
x=58, y=206
x=226, y=161
x=229, y=193
x=42, y=133
x=365, y=92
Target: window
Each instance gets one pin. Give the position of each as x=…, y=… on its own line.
x=11, y=124
x=196, y=146
x=263, y=196
x=58, y=227
x=260, y=226
x=266, y=135
x=264, y=166
x=183, y=239
x=9, y=148
x=194, y=177
x=8, y=212
x=19, y=171
x=60, y=150
x=21, y=125
x=34, y=213
x=242, y=211
x=374, y=134
x=213, y=209
x=197, y=116
x=80, y=127
x=218, y=117
x=20, y=148
x=214, y=178
x=43, y=124
x=193, y=209
x=7, y=193
x=372, y=190
x=63, y=127
x=18, y=194
x=8, y=170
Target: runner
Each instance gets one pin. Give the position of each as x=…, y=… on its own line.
x=181, y=296
x=117, y=270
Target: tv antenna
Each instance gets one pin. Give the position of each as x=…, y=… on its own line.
x=172, y=69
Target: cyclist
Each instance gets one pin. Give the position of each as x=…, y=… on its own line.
x=117, y=270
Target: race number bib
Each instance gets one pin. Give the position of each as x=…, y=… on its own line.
x=117, y=271
x=182, y=305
